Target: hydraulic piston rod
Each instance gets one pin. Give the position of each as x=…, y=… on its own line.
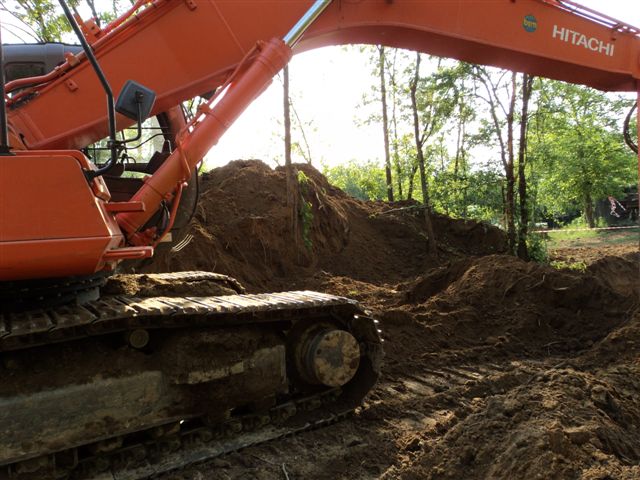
x=220, y=113
x=291, y=38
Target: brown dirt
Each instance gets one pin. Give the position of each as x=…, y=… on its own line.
x=243, y=228
x=495, y=368
x=588, y=255
x=149, y=285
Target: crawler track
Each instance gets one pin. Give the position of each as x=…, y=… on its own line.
x=43, y=442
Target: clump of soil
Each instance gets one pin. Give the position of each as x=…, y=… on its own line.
x=243, y=228
x=561, y=423
x=531, y=371
x=620, y=273
x=151, y=285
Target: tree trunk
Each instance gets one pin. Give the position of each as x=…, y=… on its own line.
x=396, y=154
x=431, y=240
x=588, y=210
x=292, y=197
x=400, y=173
x=287, y=132
x=506, y=147
x=509, y=170
x=523, y=231
x=94, y=12
x=385, y=125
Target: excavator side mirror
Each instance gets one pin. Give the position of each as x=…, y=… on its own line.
x=135, y=101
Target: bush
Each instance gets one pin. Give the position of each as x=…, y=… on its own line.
x=537, y=246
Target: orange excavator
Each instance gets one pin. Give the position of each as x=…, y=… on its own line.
x=125, y=384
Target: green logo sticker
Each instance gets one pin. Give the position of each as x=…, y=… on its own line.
x=530, y=23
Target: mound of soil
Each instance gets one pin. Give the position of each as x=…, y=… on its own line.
x=521, y=306
x=243, y=228
x=495, y=368
x=620, y=273
x=536, y=367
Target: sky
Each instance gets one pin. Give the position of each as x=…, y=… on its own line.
x=327, y=88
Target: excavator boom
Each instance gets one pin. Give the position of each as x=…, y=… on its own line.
x=196, y=45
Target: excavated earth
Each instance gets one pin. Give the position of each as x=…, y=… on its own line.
x=495, y=368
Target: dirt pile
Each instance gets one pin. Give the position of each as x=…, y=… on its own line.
x=529, y=372
x=521, y=306
x=620, y=273
x=495, y=368
x=559, y=423
x=243, y=228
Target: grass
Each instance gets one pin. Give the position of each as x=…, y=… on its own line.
x=592, y=238
x=563, y=265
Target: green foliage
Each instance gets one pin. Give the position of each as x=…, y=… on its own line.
x=563, y=265
x=578, y=148
x=437, y=97
x=365, y=181
x=474, y=195
x=306, y=210
x=303, y=179
x=537, y=248
x=43, y=19
x=580, y=222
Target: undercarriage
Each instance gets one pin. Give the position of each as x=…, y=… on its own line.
x=139, y=382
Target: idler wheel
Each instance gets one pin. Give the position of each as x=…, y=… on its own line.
x=330, y=357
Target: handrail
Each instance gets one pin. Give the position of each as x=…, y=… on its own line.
x=593, y=15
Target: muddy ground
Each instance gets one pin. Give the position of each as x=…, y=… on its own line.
x=495, y=368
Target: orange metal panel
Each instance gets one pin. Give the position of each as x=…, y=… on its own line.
x=51, y=224
x=25, y=260
x=524, y=35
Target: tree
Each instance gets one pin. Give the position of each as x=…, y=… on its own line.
x=293, y=128
x=393, y=113
x=450, y=191
x=385, y=122
x=527, y=87
x=580, y=151
x=289, y=171
x=433, y=99
x=43, y=21
x=499, y=92
x=287, y=135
